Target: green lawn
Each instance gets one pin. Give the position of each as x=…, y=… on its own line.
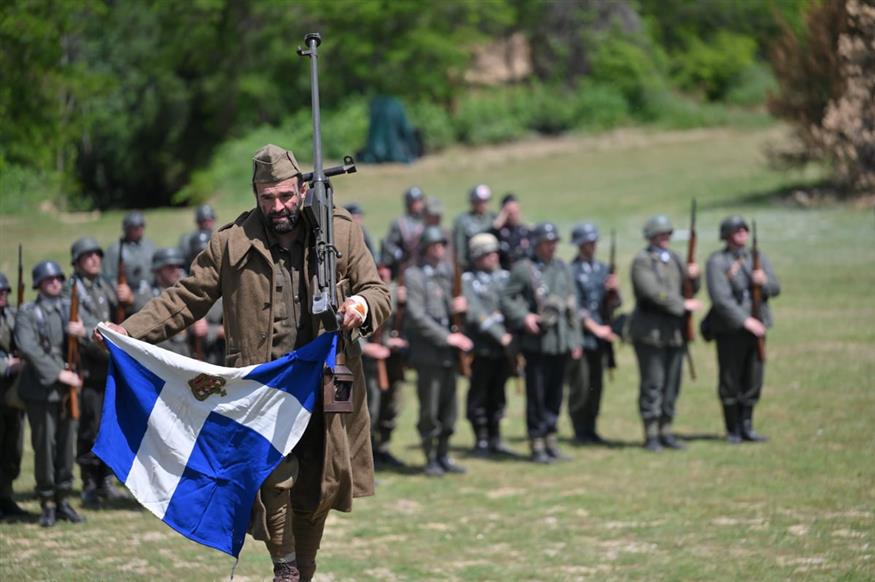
x=801, y=506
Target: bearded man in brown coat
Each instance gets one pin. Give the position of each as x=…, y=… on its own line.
x=262, y=266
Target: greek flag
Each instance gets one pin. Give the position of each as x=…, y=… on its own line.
x=193, y=442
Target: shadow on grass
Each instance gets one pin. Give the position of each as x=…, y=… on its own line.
x=783, y=195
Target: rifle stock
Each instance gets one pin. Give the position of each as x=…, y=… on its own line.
x=689, y=328
x=72, y=363
x=756, y=293
x=459, y=319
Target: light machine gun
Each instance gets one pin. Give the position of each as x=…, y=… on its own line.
x=318, y=212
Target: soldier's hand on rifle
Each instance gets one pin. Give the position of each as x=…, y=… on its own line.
x=401, y=294
x=69, y=378
x=611, y=282
x=604, y=332
x=124, y=294
x=460, y=304
x=692, y=304
x=693, y=270
x=199, y=328
x=576, y=353
x=13, y=365
x=506, y=339
x=76, y=328
x=532, y=324
x=755, y=326
x=759, y=277
x=375, y=351
x=460, y=341
x=114, y=327
x=354, y=310
x=397, y=343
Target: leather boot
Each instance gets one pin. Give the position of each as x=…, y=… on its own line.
x=90, y=498
x=497, y=446
x=432, y=468
x=733, y=426
x=10, y=509
x=651, y=436
x=539, y=451
x=285, y=572
x=747, y=431
x=66, y=512
x=667, y=438
x=106, y=485
x=481, y=441
x=551, y=446
x=48, y=517
x=443, y=457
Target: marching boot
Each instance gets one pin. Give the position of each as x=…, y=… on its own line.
x=747, y=431
x=667, y=438
x=90, y=495
x=65, y=511
x=733, y=426
x=10, y=509
x=285, y=572
x=48, y=517
x=551, y=446
x=651, y=436
x=497, y=446
x=481, y=442
x=432, y=467
x=539, y=451
x=106, y=485
x=443, y=457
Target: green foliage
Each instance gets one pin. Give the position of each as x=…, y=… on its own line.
x=600, y=106
x=22, y=189
x=711, y=65
x=752, y=86
x=434, y=123
x=629, y=68
x=488, y=117
x=546, y=109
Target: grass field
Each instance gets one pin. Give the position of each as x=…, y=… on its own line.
x=801, y=506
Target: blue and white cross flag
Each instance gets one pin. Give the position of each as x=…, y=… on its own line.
x=193, y=442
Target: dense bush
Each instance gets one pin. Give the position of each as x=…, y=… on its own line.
x=434, y=124
x=752, y=86
x=712, y=65
x=547, y=109
x=488, y=117
x=599, y=106
x=629, y=68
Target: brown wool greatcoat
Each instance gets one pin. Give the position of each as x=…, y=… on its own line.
x=237, y=266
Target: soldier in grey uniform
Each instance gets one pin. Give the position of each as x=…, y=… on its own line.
x=11, y=417
x=434, y=349
x=656, y=330
x=205, y=218
x=586, y=375
x=41, y=330
x=478, y=219
x=730, y=276
x=167, y=267
x=137, y=255
x=399, y=248
x=211, y=346
x=540, y=305
x=96, y=303
x=484, y=321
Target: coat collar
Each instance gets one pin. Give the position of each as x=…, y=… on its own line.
x=248, y=233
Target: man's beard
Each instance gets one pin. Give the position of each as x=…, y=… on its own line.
x=283, y=226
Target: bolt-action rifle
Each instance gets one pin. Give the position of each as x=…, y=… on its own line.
x=609, y=303
x=120, y=279
x=72, y=363
x=756, y=294
x=689, y=327
x=318, y=212
x=20, y=299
